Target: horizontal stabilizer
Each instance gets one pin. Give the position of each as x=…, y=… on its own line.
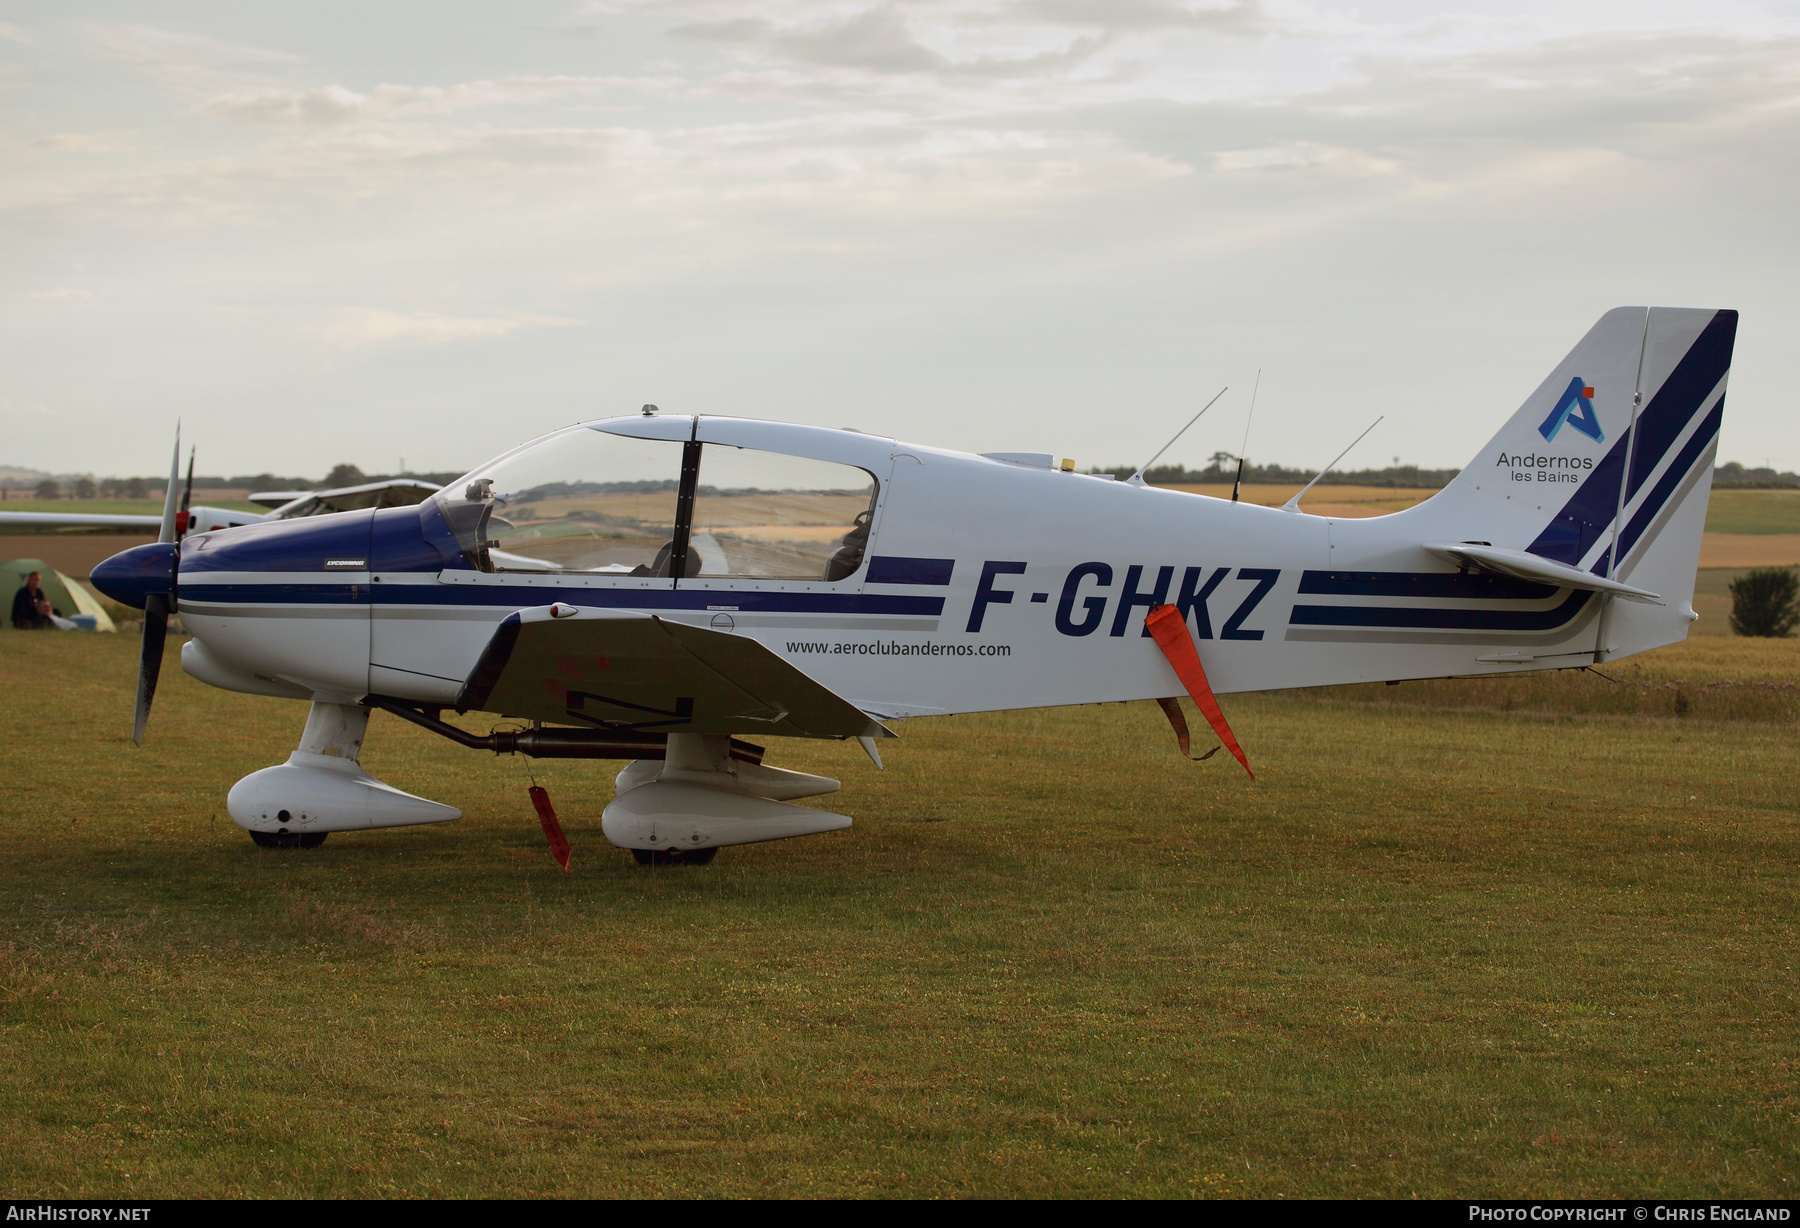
x=1522, y=566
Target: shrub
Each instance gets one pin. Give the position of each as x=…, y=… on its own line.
x=1763, y=602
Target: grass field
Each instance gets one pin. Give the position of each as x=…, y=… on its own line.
x=1532, y=936
x=1753, y=511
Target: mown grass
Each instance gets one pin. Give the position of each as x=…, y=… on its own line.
x=1439, y=947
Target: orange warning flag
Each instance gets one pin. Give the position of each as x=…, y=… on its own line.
x=553, y=832
x=1170, y=630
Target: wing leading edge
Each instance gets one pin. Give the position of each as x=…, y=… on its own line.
x=634, y=672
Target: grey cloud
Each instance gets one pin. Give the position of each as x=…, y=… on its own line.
x=191, y=63
x=323, y=106
x=1467, y=118
x=1242, y=17
x=330, y=104
x=876, y=39
x=738, y=30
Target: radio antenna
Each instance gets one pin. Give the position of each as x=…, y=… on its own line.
x=1293, y=505
x=1248, y=419
x=1137, y=479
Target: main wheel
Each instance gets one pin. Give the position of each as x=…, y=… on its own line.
x=674, y=857
x=288, y=840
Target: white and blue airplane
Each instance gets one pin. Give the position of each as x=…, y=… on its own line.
x=657, y=587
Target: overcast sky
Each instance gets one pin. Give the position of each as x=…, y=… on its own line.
x=1053, y=225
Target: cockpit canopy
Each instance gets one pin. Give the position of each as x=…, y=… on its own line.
x=589, y=500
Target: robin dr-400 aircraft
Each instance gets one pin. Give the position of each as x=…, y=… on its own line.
x=659, y=587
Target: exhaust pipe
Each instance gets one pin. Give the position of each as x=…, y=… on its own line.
x=551, y=743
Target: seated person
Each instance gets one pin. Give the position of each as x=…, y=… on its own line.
x=26, y=603
x=53, y=617
x=850, y=555
x=661, y=564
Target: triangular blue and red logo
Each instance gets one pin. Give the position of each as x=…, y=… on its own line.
x=1577, y=409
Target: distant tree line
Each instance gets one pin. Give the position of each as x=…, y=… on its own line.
x=1733, y=474
x=1224, y=469
x=86, y=487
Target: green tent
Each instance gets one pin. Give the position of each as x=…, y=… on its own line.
x=65, y=592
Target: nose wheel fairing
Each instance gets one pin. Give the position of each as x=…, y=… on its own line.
x=323, y=788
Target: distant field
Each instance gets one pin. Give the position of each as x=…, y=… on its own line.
x=1753, y=511
x=1728, y=511
x=1323, y=500
x=1533, y=936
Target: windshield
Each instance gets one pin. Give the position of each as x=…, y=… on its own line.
x=578, y=500
x=583, y=500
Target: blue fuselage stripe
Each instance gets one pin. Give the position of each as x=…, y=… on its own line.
x=1477, y=586
x=1456, y=620
x=496, y=596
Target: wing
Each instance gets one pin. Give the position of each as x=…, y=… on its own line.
x=273, y=499
x=639, y=672
x=396, y=492
x=76, y=523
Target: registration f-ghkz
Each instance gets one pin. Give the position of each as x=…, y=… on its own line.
x=661, y=588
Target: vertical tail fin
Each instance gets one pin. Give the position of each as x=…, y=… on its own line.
x=1607, y=466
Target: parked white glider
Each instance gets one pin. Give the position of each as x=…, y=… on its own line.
x=648, y=587
x=283, y=505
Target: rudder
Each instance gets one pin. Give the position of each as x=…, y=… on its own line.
x=1607, y=466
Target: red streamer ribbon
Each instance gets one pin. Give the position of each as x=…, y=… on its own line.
x=1170, y=630
x=553, y=832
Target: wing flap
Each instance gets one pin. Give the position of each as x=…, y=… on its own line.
x=634, y=672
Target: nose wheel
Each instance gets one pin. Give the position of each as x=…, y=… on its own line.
x=673, y=857
x=288, y=840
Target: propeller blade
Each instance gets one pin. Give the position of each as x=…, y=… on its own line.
x=158, y=606
x=183, y=520
x=156, y=630
x=167, y=531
